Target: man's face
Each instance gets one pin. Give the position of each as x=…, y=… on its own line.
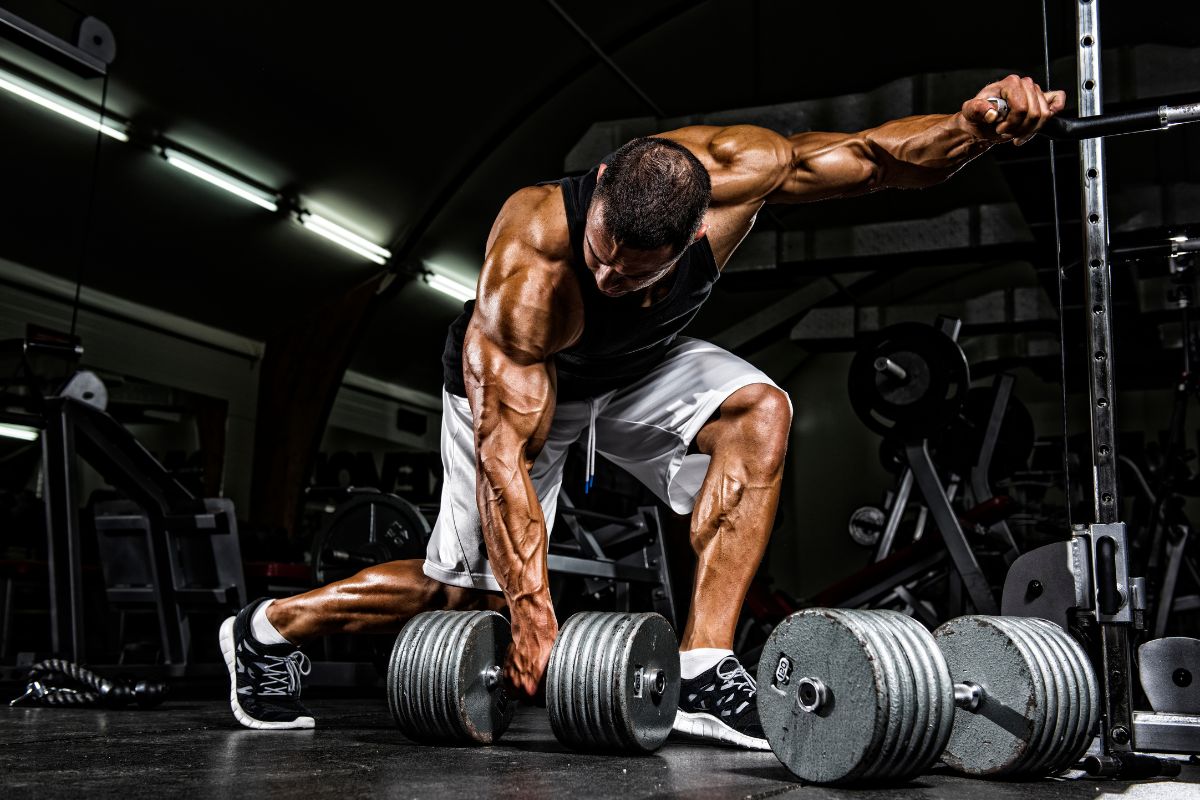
x=620, y=270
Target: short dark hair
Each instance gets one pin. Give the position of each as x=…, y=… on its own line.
x=655, y=193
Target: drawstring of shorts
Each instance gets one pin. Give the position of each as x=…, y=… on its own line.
x=591, y=447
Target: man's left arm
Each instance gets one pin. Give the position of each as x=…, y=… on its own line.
x=915, y=151
x=751, y=164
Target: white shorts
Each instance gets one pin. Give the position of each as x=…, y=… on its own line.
x=644, y=428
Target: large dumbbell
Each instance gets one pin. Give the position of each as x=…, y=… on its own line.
x=612, y=682
x=849, y=696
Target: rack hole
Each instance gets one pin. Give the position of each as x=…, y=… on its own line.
x=1097, y=263
x=1089, y=84
x=1087, y=41
x=1102, y=402
x=1100, y=356
x=1092, y=172
x=1097, y=309
x=1105, y=450
x=1093, y=218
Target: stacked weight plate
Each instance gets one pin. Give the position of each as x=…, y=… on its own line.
x=613, y=682
x=883, y=702
x=1041, y=699
x=443, y=678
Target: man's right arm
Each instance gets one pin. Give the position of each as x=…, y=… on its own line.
x=509, y=376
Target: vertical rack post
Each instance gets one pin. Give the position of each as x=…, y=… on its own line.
x=1117, y=726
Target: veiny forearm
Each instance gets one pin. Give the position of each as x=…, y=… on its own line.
x=514, y=529
x=920, y=151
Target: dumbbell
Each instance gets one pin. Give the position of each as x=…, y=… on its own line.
x=847, y=696
x=612, y=682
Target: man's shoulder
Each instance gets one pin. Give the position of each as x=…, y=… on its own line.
x=534, y=217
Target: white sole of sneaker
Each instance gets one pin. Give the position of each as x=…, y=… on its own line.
x=707, y=727
x=228, y=650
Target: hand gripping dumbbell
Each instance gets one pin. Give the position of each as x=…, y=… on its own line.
x=612, y=682
x=849, y=696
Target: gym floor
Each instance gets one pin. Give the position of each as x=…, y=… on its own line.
x=196, y=748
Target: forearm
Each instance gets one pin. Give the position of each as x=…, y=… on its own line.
x=920, y=151
x=514, y=531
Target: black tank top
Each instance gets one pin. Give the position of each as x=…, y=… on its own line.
x=621, y=340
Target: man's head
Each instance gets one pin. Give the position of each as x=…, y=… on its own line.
x=648, y=207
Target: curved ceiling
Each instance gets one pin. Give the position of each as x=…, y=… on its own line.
x=410, y=123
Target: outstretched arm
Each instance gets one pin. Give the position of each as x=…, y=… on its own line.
x=751, y=164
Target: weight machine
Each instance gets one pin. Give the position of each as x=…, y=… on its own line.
x=1084, y=583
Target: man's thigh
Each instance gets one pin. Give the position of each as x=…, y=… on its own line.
x=647, y=427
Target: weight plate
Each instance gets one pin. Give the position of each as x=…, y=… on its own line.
x=901, y=696
x=834, y=742
x=1047, y=738
x=996, y=737
x=613, y=681
x=866, y=526
x=443, y=677
x=1170, y=674
x=928, y=397
x=1089, y=695
x=366, y=530
x=1068, y=751
x=935, y=695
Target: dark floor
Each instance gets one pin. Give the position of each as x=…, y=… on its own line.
x=190, y=749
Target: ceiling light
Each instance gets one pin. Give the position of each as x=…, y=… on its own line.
x=1179, y=239
x=60, y=105
x=458, y=291
x=221, y=180
x=21, y=432
x=347, y=239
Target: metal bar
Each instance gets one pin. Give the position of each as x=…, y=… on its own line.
x=570, y=565
x=606, y=59
x=981, y=486
x=62, y=533
x=1115, y=653
x=894, y=514
x=946, y=520
x=1114, y=124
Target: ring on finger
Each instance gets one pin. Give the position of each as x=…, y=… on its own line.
x=1001, y=107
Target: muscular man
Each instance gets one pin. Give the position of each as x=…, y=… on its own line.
x=586, y=285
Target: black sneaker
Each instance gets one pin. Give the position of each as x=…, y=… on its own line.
x=719, y=705
x=264, y=690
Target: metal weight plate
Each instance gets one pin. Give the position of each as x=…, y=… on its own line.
x=935, y=695
x=613, y=681
x=996, y=737
x=368, y=529
x=866, y=525
x=1077, y=670
x=901, y=694
x=1170, y=674
x=443, y=679
x=1047, y=738
x=929, y=396
x=822, y=696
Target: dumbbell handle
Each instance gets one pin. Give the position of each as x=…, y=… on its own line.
x=968, y=695
x=812, y=694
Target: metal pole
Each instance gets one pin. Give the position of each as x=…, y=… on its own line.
x=1117, y=729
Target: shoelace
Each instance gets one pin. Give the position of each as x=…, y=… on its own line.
x=282, y=674
x=735, y=676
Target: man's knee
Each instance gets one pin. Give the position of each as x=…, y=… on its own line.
x=764, y=415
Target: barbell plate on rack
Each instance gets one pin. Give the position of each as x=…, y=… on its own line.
x=996, y=737
x=613, y=681
x=442, y=679
x=1170, y=673
x=833, y=743
x=936, y=380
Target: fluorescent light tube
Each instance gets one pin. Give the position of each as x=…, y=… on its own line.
x=21, y=432
x=60, y=105
x=317, y=223
x=453, y=288
x=221, y=180
x=1180, y=239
